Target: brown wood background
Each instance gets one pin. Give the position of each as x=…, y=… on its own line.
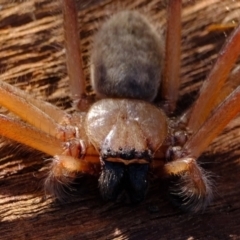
x=32, y=58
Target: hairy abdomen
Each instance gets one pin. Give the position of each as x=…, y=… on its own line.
x=126, y=58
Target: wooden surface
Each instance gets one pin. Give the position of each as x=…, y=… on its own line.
x=32, y=57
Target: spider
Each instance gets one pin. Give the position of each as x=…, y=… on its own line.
x=132, y=129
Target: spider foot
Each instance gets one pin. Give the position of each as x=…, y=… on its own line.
x=190, y=188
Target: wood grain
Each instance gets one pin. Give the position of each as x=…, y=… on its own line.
x=32, y=58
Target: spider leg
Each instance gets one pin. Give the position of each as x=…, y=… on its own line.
x=191, y=186
x=69, y=154
x=21, y=132
x=230, y=85
x=40, y=114
x=35, y=112
x=44, y=134
x=214, y=83
x=73, y=55
x=214, y=125
x=66, y=162
x=170, y=84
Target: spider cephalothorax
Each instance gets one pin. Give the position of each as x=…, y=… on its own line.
x=125, y=134
x=129, y=133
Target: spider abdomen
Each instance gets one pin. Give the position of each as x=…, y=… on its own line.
x=127, y=58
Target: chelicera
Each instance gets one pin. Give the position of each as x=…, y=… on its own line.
x=132, y=129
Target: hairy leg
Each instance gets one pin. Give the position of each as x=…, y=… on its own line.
x=191, y=187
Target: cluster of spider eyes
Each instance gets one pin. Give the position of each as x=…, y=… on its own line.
x=127, y=154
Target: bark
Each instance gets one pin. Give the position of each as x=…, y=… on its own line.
x=32, y=58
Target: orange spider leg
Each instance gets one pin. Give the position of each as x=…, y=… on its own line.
x=232, y=83
x=214, y=125
x=73, y=55
x=215, y=81
x=193, y=186
x=32, y=137
x=48, y=136
x=194, y=183
x=30, y=110
x=170, y=84
x=51, y=110
x=64, y=164
x=22, y=133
